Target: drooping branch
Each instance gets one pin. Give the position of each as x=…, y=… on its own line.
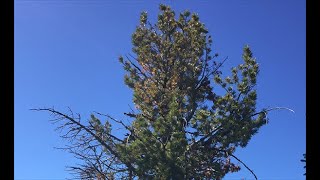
x=255, y=176
x=80, y=127
x=271, y=109
x=274, y=108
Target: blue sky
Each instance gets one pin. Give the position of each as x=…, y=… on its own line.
x=66, y=56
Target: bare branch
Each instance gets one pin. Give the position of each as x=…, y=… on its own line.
x=87, y=130
x=271, y=109
x=244, y=165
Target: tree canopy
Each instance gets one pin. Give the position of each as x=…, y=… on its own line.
x=189, y=118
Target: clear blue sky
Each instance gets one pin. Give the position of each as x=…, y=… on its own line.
x=66, y=55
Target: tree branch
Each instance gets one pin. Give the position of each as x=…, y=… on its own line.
x=244, y=165
x=109, y=148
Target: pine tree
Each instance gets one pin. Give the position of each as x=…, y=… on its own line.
x=189, y=118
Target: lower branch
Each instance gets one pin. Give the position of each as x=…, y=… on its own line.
x=244, y=165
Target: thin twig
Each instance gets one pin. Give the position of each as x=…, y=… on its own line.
x=244, y=165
